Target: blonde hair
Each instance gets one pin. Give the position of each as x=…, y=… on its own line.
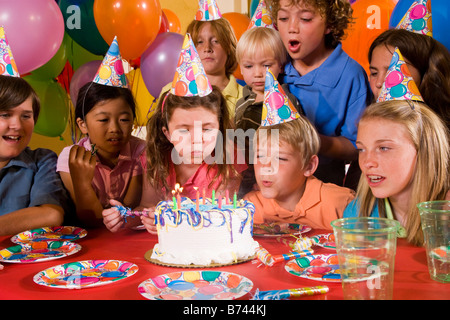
x=430, y=138
x=298, y=133
x=262, y=39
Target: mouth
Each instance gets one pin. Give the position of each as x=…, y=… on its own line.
x=374, y=180
x=12, y=138
x=294, y=45
x=115, y=141
x=267, y=183
x=259, y=84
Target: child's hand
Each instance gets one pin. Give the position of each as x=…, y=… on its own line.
x=112, y=218
x=82, y=164
x=149, y=221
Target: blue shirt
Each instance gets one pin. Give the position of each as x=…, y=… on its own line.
x=31, y=180
x=352, y=210
x=334, y=95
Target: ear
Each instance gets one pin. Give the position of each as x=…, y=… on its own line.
x=82, y=125
x=166, y=133
x=311, y=166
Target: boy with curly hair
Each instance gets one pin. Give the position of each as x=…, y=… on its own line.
x=332, y=87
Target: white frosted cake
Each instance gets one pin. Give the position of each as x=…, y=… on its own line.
x=211, y=235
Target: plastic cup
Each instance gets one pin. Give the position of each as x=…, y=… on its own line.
x=366, y=253
x=435, y=218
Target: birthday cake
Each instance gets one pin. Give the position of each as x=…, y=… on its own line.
x=204, y=235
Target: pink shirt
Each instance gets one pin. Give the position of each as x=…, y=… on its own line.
x=110, y=183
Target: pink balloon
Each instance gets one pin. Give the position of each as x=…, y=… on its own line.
x=276, y=100
x=418, y=12
x=35, y=30
x=393, y=79
x=83, y=75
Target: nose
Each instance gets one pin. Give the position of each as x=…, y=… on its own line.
x=15, y=123
x=367, y=160
x=114, y=126
x=293, y=25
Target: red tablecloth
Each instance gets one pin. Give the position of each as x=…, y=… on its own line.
x=411, y=278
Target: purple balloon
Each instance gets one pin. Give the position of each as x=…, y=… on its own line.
x=83, y=75
x=159, y=61
x=34, y=29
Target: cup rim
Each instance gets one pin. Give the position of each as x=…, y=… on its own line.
x=394, y=224
x=426, y=206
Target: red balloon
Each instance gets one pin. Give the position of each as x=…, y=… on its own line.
x=174, y=21
x=164, y=23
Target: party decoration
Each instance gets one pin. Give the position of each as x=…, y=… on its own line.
x=261, y=17
x=38, y=251
x=80, y=25
x=35, y=31
x=83, y=75
x=190, y=78
x=276, y=107
x=59, y=233
x=111, y=72
x=145, y=106
x=418, y=18
x=289, y=293
x=174, y=21
x=399, y=84
x=164, y=23
x=207, y=11
x=78, y=56
x=136, y=24
x=320, y=267
x=7, y=64
x=55, y=65
x=159, y=61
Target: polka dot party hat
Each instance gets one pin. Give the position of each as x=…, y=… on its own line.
x=111, y=72
x=7, y=64
x=276, y=106
x=190, y=78
x=399, y=84
x=207, y=11
x=418, y=18
x=261, y=17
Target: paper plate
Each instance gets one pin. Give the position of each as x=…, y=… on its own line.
x=196, y=285
x=325, y=240
x=276, y=229
x=38, y=251
x=84, y=274
x=320, y=267
x=62, y=233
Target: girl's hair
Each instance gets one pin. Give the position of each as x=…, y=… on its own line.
x=93, y=93
x=337, y=14
x=14, y=91
x=258, y=39
x=430, y=138
x=225, y=35
x=159, y=147
x=430, y=58
x=298, y=133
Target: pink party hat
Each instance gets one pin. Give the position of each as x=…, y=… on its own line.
x=399, y=84
x=111, y=72
x=7, y=64
x=207, y=11
x=418, y=18
x=190, y=78
x=261, y=17
x=277, y=108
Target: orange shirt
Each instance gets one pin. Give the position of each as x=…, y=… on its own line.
x=320, y=204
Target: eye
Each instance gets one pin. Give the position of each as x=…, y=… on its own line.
x=4, y=115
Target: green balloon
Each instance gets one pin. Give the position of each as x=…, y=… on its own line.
x=55, y=65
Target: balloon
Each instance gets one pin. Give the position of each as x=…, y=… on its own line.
x=80, y=25
x=54, y=67
x=440, y=11
x=35, y=31
x=144, y=100
x=370, y=21
x=83, y=75
x=159, y=61
x=52, y=120
x=164, y=23
x=77, y=55
x=174, y=21
x=240, y=23
x=136, y=24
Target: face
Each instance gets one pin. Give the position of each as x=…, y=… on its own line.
x=210, y=50
x=254, y=68
x=109, y=125
x=193, y=133
x=379, y=65
x=303, y=31
x=16, y=128
x=387, y=157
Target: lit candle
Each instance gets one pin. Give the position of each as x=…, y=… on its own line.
x=227, y=197
x=213, y=197
x=204, y=196
x=235, y=200
x=220, y=201
x=178, y=190
x=197, y=202
x=174, y=200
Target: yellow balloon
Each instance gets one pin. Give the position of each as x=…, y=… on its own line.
x=145, y=102
x=191, y=276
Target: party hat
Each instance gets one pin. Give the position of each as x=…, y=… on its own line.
x=190, y=78
x=207, y=11
x=261, y=17
x=7, y=64
x=111, y=72
x=399, y=84
x=418, y=18
x=277, y=108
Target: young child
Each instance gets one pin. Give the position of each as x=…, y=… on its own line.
x=332, y=88
x=105, y=164
x=31, y=192
x=284, y=172
x=428, y=62
x=186, y=144
x=400, y=143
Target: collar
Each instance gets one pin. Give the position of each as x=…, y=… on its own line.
x=24, y=160
x=232, y=89
x=247, y=92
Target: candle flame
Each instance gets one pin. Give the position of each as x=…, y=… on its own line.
x=178, y=188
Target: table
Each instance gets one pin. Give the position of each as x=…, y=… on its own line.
x=411, y=278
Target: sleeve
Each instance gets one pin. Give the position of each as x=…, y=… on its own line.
x=63, y=160
x=138, y=152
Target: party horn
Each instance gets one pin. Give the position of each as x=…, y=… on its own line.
x=289, y=293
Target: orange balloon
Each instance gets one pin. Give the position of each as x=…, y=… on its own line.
x=136, y=24
x=371, y=19
x=174, y=21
